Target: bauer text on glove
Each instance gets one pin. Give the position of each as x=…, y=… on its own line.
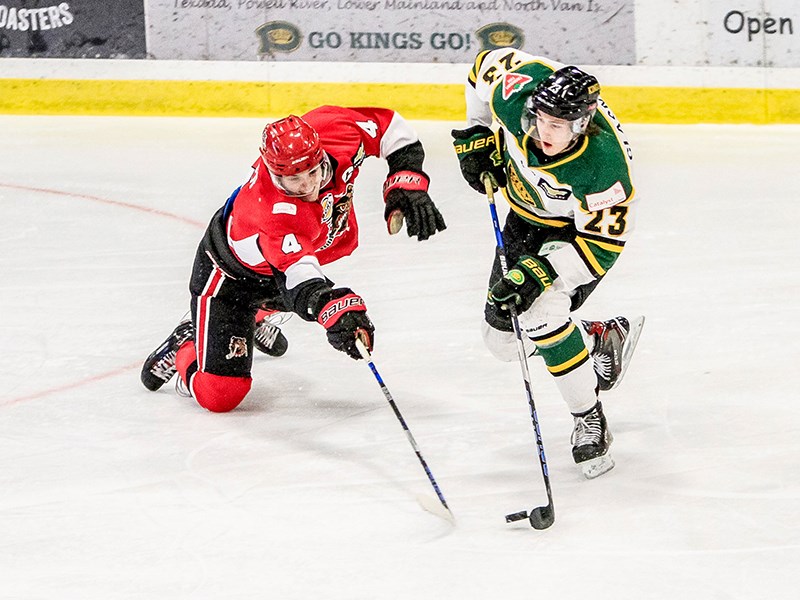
x=344, y=316
x=476, y=148
x=522, y=284
x=407, y=192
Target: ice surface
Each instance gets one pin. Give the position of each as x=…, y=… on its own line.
x=308, y=489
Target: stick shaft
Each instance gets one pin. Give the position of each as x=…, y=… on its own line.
x=387, y=394
x=523, y=360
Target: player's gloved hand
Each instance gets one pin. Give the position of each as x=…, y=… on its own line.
x=406, y=195
x=343, y=314
x=520, y=287
x=477, y=153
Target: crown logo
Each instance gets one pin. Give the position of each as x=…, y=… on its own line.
x=500, y=35
x=502, y=38
x=278, y=36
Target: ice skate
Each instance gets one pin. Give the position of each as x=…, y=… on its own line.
x=591, y=440
x=159, y=367
x=269, y=338
x=615, y=341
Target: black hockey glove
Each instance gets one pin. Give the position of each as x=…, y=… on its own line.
x=522, y=284
x=407, y=192
x=477, y=154
x=343, y=314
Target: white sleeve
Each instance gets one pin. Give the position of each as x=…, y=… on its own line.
x=305, y=269
x=398, y=135
x=487, y=73
x=478, y=111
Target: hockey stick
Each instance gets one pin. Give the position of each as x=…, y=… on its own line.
x=428, y=504
x=540, y=517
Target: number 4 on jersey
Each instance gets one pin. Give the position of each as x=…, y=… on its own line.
x=371, y=127
x=290, y=244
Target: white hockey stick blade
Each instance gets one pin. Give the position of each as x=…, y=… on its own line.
x=637, y=323
x=433, y=506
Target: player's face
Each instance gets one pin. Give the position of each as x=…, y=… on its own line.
x=306, y=184
x=554, y=135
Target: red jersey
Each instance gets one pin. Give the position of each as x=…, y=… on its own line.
x=267, y=229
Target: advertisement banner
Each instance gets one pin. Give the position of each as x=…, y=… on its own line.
x=74, y=29
x=439, y=31
x=754, y=33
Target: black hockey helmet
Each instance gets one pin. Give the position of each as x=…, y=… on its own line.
x=568, y=93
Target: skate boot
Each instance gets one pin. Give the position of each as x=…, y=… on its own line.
x=615, y=341
x=269, y=338
x=591, y=440
x=159, y=367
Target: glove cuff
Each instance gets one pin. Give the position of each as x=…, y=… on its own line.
x=333, y=310
x=405, y=180
x=538, y=268
x=465, y=134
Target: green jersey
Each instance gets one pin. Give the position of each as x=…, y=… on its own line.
x=588, y=187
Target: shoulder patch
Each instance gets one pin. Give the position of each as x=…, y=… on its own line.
x=513, y=82
x=284, y=208
x=613, y=195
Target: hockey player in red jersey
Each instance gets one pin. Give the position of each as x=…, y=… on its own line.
x=265, y=248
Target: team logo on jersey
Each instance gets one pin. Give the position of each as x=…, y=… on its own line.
x=551, y=192
x=513, y=82
x=500, y=35
x=518, y=188
x=237, y=348
x=278, y=36
x=335, y=214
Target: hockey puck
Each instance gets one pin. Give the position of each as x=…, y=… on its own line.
x=542, y=517
x=518, y=516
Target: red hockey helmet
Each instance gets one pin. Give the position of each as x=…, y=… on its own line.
x=290, y=147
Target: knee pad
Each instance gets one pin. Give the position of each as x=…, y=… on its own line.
x=218, y=393
x=549, y=312
x=503, y=344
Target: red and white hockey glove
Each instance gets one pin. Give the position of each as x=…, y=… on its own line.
x=406, y=195
x=344, y=316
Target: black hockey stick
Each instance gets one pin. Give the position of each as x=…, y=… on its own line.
x=429, y=505
x=540, y=517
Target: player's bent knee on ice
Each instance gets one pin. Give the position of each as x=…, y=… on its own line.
x=218, y=393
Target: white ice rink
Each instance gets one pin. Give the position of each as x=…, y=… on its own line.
x=307, y=490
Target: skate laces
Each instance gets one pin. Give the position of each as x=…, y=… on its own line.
x=268, y=329
x=164, y=368
x=267, y=333
x=588, y=430
x=610, y=338
x=603, y=365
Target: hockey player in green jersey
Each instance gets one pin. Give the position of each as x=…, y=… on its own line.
x=542, y=132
